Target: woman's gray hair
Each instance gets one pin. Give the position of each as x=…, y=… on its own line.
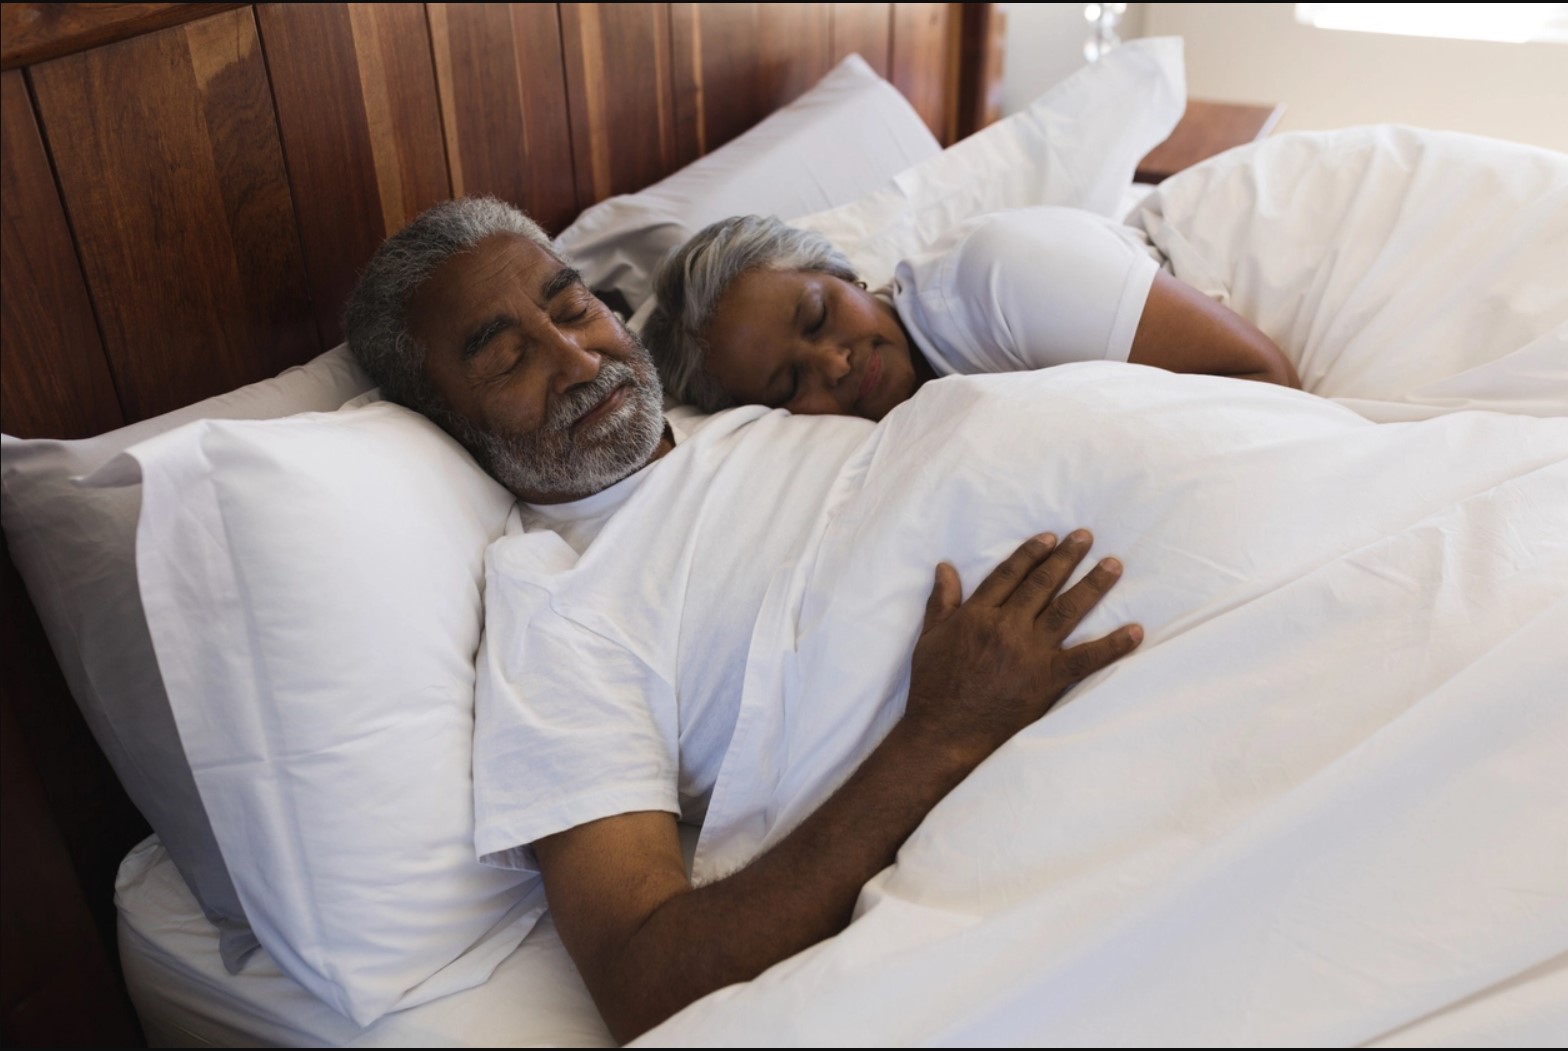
x=377, y=316
x=692, y=279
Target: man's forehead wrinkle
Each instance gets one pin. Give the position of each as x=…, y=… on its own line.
x=464, y=293
x=502, y=265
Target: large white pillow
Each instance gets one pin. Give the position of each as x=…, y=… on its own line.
x=312, y=587
x=1077, y=145
x=838, y=141
x=1405, y=272
x=75, y=549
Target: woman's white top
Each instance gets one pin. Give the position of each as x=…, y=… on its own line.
x=1026, y=289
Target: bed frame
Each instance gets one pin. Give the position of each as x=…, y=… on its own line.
x=187, y=193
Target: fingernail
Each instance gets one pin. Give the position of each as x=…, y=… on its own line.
x=1110, y=565
x=1048, y=539
x=1135, y=633
x=1080, y=536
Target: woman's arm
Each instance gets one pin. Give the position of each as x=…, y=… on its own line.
x=1038, y=287
x=1183, y=330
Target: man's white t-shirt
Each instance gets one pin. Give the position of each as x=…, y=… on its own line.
x=617, y=626
x=610, y=673
x=1026, y=289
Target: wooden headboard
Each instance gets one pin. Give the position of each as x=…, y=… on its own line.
x=188, y=192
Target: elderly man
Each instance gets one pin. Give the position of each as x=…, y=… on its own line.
x=601, y=720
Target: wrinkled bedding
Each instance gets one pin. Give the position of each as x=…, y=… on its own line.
x=1406, y=273
x=1324, y=800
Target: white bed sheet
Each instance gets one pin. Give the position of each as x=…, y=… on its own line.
x=186, y=998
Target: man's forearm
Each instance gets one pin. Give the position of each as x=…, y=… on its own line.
x=800, y=892
x=648, y=944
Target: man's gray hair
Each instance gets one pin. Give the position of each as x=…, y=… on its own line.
x=692, y=279
x=377, y=317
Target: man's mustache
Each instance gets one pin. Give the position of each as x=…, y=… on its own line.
x=577, y=401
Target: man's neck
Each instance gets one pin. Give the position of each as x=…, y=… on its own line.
x=666, y=444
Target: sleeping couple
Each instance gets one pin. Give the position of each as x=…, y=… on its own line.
x=621, y=603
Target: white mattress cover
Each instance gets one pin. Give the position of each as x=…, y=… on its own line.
x=186, y=998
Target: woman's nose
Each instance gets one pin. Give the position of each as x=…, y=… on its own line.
x=832, y=361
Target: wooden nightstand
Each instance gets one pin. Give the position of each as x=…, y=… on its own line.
x=1207, y=128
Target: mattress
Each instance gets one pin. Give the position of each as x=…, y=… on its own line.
x=186, y=998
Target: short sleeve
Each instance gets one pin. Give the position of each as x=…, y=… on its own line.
x=1025, y=290
x=569, y=726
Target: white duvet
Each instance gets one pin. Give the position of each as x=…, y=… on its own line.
x=1325, y=802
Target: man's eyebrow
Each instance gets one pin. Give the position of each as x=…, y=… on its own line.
x=560, y=281
x=481, y=336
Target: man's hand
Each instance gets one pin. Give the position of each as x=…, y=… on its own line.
x=648, y=944
x=985, y=669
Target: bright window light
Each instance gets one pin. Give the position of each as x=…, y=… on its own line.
x=1504, y=23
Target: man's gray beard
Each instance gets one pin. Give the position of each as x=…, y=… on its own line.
x=554, y=461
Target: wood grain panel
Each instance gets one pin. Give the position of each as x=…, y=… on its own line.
x=864, y=29
x=736, y=63
x=172, y=176
x=54, y=379
x=619, y=90
x=503, y=99
x=925, y=54
x=981, y=61
x=59, y=989
x=67, y=823
x=36, y=32
x=361, y=129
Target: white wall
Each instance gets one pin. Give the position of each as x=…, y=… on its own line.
x=1045, y=46
x=1331, y=78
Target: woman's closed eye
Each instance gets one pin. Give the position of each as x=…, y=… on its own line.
x=815, y=325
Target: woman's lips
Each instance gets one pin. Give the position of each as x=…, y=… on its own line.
x=873, y=376
x=612, y=401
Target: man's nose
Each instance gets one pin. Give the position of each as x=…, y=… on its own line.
x=571, y=362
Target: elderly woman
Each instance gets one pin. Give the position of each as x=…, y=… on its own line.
x=751, y=310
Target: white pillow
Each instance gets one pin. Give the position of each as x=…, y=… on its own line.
x=1077, y=145
x=312, y=586
x=841, y=139
x=1405, y=272
x=75, y=549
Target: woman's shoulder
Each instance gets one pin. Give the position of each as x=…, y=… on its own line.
x=1025, y=289
x=1020, y=248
